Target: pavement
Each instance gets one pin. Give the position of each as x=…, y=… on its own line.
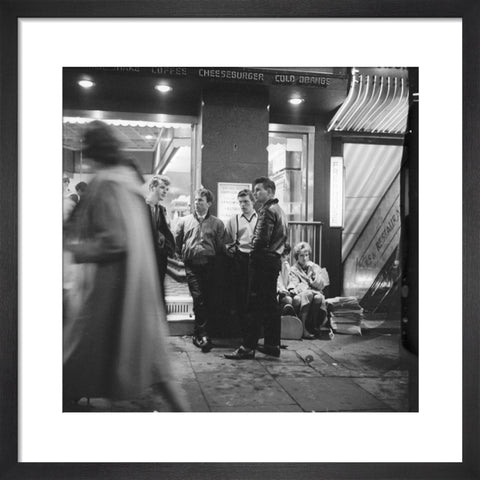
x=350, y=373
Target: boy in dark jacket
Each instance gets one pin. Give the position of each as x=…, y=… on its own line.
x=199, y=237
x=163, y=238
x=268, y=244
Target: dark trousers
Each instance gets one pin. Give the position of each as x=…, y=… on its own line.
x=241, y=281
x=162, y=262
x=263, y=306
x=200, y=283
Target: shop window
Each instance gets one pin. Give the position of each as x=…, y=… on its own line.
x=178, y=169
x=168, y=147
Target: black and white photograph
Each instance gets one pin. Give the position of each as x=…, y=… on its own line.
x=236, y=239
x=262, y=261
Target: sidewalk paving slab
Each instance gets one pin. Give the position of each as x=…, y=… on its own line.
x=236, y=389
x=331, y=395
x=391, y=390
x=349, y=373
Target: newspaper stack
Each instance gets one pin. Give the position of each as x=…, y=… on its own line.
x=345, y=315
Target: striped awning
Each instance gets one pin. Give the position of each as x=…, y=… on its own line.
x=377, y=102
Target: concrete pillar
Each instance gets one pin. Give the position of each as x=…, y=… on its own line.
x=234, y=123
x=234, y=136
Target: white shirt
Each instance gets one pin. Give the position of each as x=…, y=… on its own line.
x=246, y=227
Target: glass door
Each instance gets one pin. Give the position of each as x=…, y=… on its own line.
x=290, y=166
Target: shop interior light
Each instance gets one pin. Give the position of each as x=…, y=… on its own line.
x=86, y=83
x=148, y=137
x=296, y=101
x=120, y=122
x=163, y=88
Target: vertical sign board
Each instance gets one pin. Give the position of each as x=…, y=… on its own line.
x=336, y=192
x=227, y=200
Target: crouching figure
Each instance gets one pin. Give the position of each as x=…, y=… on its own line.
x=307, y=281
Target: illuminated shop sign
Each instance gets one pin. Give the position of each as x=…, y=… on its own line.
x=337, y=184
x=249, y=75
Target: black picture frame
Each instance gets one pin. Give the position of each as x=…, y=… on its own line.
x=11, y=10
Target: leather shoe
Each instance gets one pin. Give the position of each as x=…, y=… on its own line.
x=288, y=310
x=201, y=342
x=241, y=353
x=207, y=345
x=271, y=350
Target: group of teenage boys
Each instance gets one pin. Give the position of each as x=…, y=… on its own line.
x=254, y=239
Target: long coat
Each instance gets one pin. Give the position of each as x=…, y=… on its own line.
x=115, y=327
x=307, y=282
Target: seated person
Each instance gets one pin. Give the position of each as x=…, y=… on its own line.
x=285, y=298
x=307, y=281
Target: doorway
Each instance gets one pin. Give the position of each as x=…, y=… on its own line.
x=290, y=166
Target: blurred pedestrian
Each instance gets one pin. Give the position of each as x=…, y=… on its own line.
x=69, y=202
x=81, y=188
x=115, y=331
x=71, y=220
x=268, y=245
x=199, y=238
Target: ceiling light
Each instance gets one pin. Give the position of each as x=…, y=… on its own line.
x=86, y=83
x=148, y=137
x=296, y=101
x=163, y=88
